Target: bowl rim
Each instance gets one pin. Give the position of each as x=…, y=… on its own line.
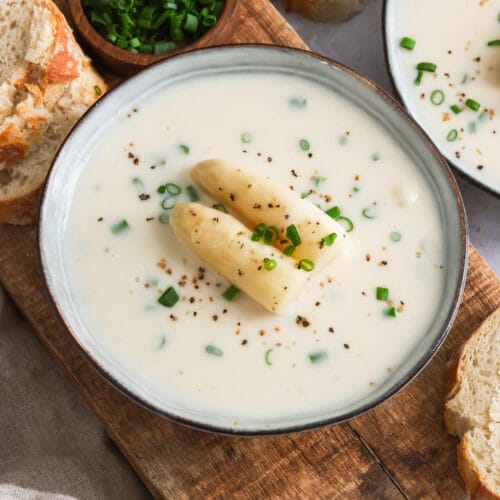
x=283, y=430
x=484, y=186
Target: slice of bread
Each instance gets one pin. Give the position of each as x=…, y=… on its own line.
x=46, y=84
x=326, y=10
x=472, y=409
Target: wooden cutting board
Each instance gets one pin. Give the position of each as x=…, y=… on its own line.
x=398, y=450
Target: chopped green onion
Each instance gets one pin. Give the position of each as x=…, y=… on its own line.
x=213, y=350
x=270, y=235
x=375, y=157
x=437, y=97
x=230, y=293
x=382, y=293
x=267, y=357
x=293, y=235
x=185, y=149
x=138, y=183
x=494, y=43
x=418, y=80
x=168, y=202
x=391, y=311
x=119, y=227
x=192, y=193
x=465, y=78
x=346, y=223
x=395, y=236
x=288, y=251
x=407, y=43
x=255, y=237
x=472, y=104
x=164, y=217
x=319, y=180
x=426, y=66
x=452, y=135
x=169, y=298
x=456, y=109
x=316, y=357
x=97, y=90
x=333, y=212
x=472, y=127
x=304, y=145
x=328, y=240
x=246, y=138
x=220, y=207
x=269, y=264
x=163, y=341
x=297, y=102
x=306, y=265
x=370, y=212
x=171, y=188
x=343, y=140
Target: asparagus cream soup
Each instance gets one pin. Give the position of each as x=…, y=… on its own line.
x=358, y=300
x=449, y=52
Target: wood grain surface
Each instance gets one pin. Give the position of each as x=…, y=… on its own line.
x=398, y=450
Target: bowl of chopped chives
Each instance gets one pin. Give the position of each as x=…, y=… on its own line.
x=128, y=35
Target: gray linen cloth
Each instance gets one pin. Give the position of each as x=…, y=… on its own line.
x=51, y=445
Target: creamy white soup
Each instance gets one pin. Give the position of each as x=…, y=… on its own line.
x=457, y=97
x=168, y=319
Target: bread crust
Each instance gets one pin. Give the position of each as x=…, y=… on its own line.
x=21, y=209
x=13, y=146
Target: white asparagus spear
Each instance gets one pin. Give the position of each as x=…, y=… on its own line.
x=257, y=200
x=226, y=246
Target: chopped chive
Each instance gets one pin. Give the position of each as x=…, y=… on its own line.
x=270, y=235
x=426, y=66
x=97, y=90
x=170, y=188
x=369, y=212
x=169, y=298
x=168, y=202
x=407, y=43
x=164, y=217
x=472, y=127
x=192, y=193
x=346, y=223
x=343, y=140
x=260, y=229
x=319, y=180
x=452, y=135
x=306, y=265
x=138, y=183
x=465, y=78
x=391, y=311
x=255, y=237
x=418, y=80
x=396, y=236
x=456, y=109
x=494, y=43
x=220, y=207
x=119, y=227
x=270, y=264
x=293, y=235
x=333, y=212
x=472, y=104
x=246, y=138
x=328, y=240
x=297, y=102
x=437, y=97
x=355, y=189
x=213, y=350
x=163, y=341
x=288, y=251
x=230, y=293
x=304, y=145
x=305, y=195
x=185, y=149
x=382, y=293
x=316, y=357
x=375, y=157
x=267, y=357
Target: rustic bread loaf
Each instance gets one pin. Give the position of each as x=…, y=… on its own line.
x=472, y=410
x=326, y=10
x=46, y=84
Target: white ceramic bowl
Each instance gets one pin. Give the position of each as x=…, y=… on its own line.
x=70, y=161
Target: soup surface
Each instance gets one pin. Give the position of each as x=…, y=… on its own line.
x=458, y=103
x=338, y=340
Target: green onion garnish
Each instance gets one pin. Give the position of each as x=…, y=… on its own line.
x=437, y=97
x=452, y=135
x=288, y=251
x=246, y=138
x=267, y=357
x=168, y=202
x=164, y=217
x=213, y=350
x=328, y=240
x=391, y=311
x=97, y=90
x=426, y=66
x=472, y=104
x=346, y=223
x=465, y=78
x=170, y=188
x=343, y=140
x=163, y=341
x=297, y=102
x=304, y=145
x=382, y=293
x=119, y=227
x=270, y=235
x=138, y=183
x=418, y=80
x=375, y=157
x=185, y=149
x=472, y=127
x=270, y=264
x=494, y=43
x=407, y=43
x=169, y=298
x=395, y=236
x=220, y=207
x=192, y=193
x=333, y=212
x=456, y=109
x=316, y=357
x=369, y=212
x=306, y=265
x=230, y=293
x=293, y=235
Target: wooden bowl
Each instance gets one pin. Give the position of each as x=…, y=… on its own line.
x=125, y=63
